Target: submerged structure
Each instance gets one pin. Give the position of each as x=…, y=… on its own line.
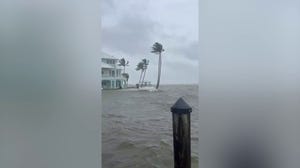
x=112, y=77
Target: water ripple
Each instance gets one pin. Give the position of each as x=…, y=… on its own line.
x=137, y=127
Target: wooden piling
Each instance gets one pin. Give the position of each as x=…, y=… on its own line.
x=181, y=134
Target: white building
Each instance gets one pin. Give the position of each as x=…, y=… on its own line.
x=111, y=73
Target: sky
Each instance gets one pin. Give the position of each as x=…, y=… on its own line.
x=249, y=45
x=131, y=27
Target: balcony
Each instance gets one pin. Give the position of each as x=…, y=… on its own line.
x=108, y=77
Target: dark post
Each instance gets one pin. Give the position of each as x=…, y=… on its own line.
x=181, y=134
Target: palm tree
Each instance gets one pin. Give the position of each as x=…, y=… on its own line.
x=140, y=66
x=126, y=75
x=157, y=48
x=145, y=66
x=124, y=63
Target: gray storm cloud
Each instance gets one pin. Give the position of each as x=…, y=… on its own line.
x=129, y=30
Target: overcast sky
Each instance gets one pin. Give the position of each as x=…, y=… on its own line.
x=129, y=29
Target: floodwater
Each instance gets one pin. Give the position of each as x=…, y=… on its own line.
x=137, y=127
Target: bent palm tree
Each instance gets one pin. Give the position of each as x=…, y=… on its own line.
x=145, y=66
x=140, y=66
x=157, y=48
x=123, y=63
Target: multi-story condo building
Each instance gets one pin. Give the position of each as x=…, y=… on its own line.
x=112, y=77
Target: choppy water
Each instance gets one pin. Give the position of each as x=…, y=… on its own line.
x=137, y=127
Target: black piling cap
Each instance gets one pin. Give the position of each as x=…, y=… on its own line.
x=181, y=107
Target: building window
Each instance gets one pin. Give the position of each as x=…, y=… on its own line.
x=113, y=84
x=106, y=84
x=113, y=73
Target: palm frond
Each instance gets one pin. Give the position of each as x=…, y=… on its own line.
x=123, y=62
x=157, y=48
x=139, y=66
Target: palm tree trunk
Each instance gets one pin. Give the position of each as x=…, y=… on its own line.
x=144, y=77
x=124, y=69
x=140, y=77
x=159, y=71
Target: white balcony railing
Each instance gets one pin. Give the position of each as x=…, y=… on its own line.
x=112, y=77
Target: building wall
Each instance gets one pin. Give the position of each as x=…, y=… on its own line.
x=114, y=83
x=112, y=77
x=109, y=61
x=111, y=72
